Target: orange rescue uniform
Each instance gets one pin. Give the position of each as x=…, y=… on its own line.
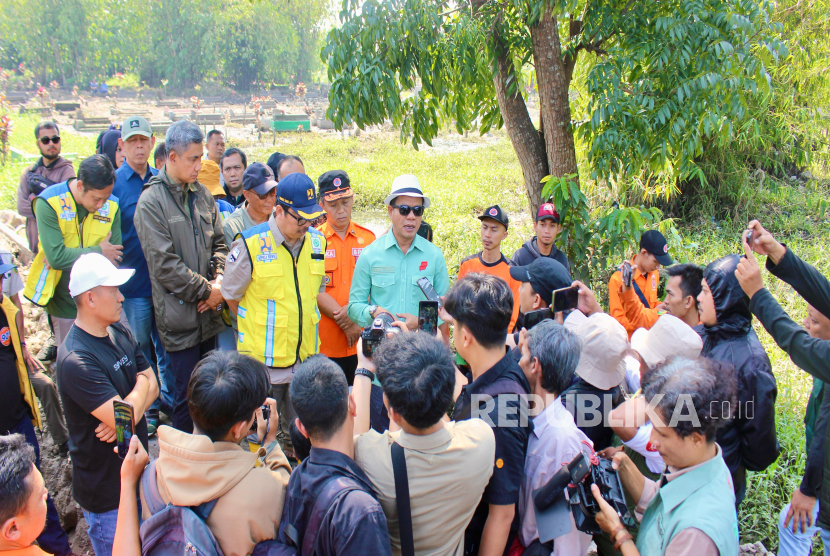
x=501, y=268
x=341, y=257
x=627, y=308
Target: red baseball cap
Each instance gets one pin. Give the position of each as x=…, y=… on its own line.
x=547, y=210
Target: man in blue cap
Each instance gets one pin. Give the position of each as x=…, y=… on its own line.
x=272, y=277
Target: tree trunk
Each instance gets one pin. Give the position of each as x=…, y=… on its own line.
x=553, y=82
x=529, y=146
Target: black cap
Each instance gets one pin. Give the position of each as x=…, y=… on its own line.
x=655, y=243
x=274, y=162
x=495, y=213
x=258, y=178
x=334, y=185
x=544, y=275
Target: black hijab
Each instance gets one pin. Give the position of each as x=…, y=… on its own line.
x=109, y=144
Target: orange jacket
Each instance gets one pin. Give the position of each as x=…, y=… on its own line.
x=341, y=257
x=627, y=307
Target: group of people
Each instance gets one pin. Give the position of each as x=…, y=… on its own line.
x=234, y=298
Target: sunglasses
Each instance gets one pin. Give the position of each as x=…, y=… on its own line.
x=300, y=220
x=54, y=139
x=406, y=209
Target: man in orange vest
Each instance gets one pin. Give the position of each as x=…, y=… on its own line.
x=345, y=240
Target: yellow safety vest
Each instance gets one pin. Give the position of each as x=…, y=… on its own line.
x=278, y=318
x=10, y=309
x=42, y=280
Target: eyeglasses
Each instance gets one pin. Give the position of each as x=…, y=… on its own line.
x=267, y=196
x=300, y=220
x=54, y=139
x=417, y=210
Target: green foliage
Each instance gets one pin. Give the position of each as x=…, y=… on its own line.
x=597, y=240
x=186, y=42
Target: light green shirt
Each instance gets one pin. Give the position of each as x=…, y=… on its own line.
x=384, y=276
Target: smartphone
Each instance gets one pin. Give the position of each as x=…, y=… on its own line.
x=124, y=426
x=428, y=316
x=532, y=318
x=627, y=273
x=429, y=291
x=749, y=239
x=565, y=299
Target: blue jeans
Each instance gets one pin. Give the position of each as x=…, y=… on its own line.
x=142, y=319
x=799, y=544
x=53, y=539
x=101, y=531
x=226, y=340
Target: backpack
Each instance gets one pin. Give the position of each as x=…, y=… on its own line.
x=174, y=530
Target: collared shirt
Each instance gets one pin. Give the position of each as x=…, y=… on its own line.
x=238, y=266
x=388, y=278
x=341, y=258
x=555, y=441
x=511, y=428
x=235, y=201
x=447, y=470
x=688, y=542
x=128, y=187
x=355, y=524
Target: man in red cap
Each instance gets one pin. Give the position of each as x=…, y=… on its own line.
x=542, y=244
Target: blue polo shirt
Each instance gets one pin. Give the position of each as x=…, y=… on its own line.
x=128, y=187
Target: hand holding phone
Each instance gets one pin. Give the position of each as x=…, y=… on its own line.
x=565, y=299
x=627, y=273
x=124, y=426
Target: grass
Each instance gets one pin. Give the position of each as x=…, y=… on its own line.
x=463, y=176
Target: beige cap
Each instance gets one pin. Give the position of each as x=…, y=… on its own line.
x=604, y=344
x=668, y=337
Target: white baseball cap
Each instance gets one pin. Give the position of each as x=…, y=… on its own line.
x=669, y=336
x=407, y=185
x=92, y=270
x=604, y=344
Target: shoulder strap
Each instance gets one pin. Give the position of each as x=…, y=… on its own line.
x=402, y=500
x=335, y=488
x=639, y=293
x=150, y=489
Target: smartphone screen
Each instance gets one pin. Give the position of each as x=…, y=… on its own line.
x=428, y=289
x=124, y=429
x=428, y=316
x=532, y=318
x=565, y=299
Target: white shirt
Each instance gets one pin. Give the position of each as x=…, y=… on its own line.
x=555, y=441
x=12, y=284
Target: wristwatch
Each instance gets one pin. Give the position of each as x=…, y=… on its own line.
x=365, y=372
x=372, y=309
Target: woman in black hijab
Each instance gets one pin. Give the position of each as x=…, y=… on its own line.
x=108, y=145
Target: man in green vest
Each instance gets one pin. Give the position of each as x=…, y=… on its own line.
x=691, y=508
x=74, y=217
x=273, y=274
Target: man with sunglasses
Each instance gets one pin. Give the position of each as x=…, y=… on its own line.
x=259, y=190
x=273, y=275
x=51, y=168
x=386, y=274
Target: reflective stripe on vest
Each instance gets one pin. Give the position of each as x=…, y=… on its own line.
x=42, y=280
x=271, y=315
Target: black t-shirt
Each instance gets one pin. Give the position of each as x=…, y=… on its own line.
x=12, y=406
x=92, y=371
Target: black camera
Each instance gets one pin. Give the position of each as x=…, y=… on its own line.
x=374, y=334
x=577, y=477
x=266, y=412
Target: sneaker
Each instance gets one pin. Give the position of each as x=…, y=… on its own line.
x=49, y=352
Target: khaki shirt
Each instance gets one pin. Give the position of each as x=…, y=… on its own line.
x=237, y=222
x=448, y=472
